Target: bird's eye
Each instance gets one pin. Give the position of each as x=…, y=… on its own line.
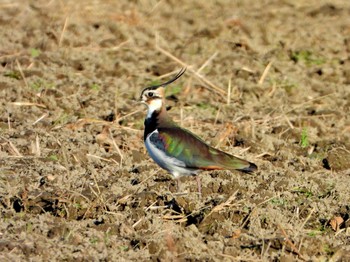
x=150, y=94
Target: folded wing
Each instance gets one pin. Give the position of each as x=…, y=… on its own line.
x=194, y=152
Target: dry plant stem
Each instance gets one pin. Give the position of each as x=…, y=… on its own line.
x=128, y=115
x=21, y=72
x=181, y=116
x=40, y=118
x=168, y=74
x=187, y=87
x=304, y=223
x=273, y=90
x=14, y=150
x=239, y=258
x=243, y=150
x=63, y=31
x=116, y=96
x=264, y=252
x=117, y=148
x=28, y=104
x=99, y=49
x=270, y=119
x=247, y=69
x=182, y=217
x=228, y=130
x=229, y=92
x=217, y=116
x=263, y=154
x=117, y=47
x=151, y=205
x=307, y=102
x=37, y=149
x=340, y=231
x=264, y=74
x=155, y=6
x=289, y=242
x=9, y=121
x=137, y=222
x=253, y=210
x=253, y=125
x=207, y=62
x=288, y=122
x=209, y=84
x=23, y=157
x=283, y=132
x=220, y=207
x=11, y=55
x=143, y=181
x=98, y=157
x=98, y=194
x=64, y=151
x=8, y=5
x=157, y=207
x=172, y=217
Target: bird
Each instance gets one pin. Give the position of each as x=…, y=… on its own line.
x=176, y=149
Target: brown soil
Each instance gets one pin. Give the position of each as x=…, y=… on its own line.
x=76, y=182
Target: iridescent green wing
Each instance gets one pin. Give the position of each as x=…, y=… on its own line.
x=194, y=152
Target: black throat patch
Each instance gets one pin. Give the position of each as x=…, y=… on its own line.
x=151, y=124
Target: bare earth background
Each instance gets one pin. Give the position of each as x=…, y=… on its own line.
x=266, y=80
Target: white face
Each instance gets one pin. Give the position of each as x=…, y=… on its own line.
x=153, y=99
x=154, y=105
x=153, y=96
x=149, y=94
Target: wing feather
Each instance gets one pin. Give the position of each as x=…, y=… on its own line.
x=194, y=152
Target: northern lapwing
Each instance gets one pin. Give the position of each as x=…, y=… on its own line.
x=176, y=149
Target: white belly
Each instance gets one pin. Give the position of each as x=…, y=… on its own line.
x=174, y=166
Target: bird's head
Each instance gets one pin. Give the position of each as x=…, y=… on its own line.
x=154, y=96
x=150, y=95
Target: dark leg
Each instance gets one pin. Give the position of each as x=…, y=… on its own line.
x=199, y=185
x=178, y=184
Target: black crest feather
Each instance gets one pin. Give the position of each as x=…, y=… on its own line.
x=179, y=74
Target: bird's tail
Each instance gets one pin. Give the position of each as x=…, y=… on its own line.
x=249, y=169
x=231, y=162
